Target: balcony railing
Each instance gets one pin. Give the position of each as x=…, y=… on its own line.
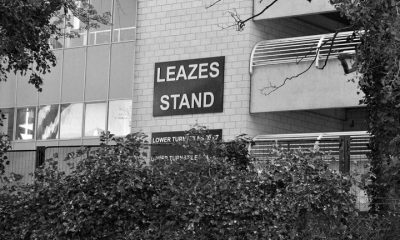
x=288, y=71
x=96, y=37
x=302, y=49
x=346, y=152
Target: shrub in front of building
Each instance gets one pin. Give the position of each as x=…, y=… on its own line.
x=113, y=194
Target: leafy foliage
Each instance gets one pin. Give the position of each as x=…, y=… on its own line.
x=378, y=58
x=113, y=194
x=26, y=26
x=4, y=147
x=199, y=140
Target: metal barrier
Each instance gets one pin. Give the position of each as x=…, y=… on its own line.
x=346, y=152
x=24, y=162
x=345, y=149
x=306, y=48
x=21, y=163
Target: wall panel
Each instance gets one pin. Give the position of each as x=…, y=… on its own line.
x=73, y=75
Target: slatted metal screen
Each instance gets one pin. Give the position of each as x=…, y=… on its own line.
x=307, y=48
x=346, y=152
x=22, y=163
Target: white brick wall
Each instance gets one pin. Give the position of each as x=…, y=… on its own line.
x=169, y=30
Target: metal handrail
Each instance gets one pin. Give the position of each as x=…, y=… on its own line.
x=306, y=48
x=309, y=136
x=117, y=32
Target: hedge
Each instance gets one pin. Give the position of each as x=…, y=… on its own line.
x=114, y=194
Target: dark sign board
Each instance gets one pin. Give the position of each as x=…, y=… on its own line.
x=164, y=144
x=189, y=86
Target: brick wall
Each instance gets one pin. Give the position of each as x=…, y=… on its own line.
x=169, y=30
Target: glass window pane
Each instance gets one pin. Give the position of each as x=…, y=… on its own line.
x=73, y=75
x=25, y=123
x=75, y=30
x=76, y=33
x=95, y=119
x=119, y=117
x=124, y=20
x=7, y=91
x=71, y=120
x=57, y=41
x=102, y=33
x=50, y=93
x=48, y=122
x=122, y=61
x=8, y=122
x=97, y=68
x=27, y=94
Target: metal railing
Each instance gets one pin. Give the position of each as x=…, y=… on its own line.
x=25, y=162
x=341, y=146
x=94, y=37
x=346, y=152
x=22, y=163
x=307, y=48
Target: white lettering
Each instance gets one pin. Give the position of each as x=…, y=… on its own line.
x=214, y=69
x=184, y=102
x=196, y=99
x=181, y=73
x=162, y=140
x=211, y=102
x=203, y=69
x=170, y=73
x=164, y=100
x=174, y=96
x=158, y=76
x=193, y=67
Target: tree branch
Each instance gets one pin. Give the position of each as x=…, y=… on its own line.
x=267, y=90
x=274, y=87
x=212, y=4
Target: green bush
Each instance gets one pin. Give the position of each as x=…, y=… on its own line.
x=4, y=147
x=113, y=194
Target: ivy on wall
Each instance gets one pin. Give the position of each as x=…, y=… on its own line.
x=379, y=67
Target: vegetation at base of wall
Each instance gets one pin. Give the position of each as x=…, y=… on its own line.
x=379, y=80
x=4, y=147
x=113, y=194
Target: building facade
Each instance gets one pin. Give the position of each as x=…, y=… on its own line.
x=164, y=65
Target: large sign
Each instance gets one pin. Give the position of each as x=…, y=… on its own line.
x=164, y=145
x=189, y=87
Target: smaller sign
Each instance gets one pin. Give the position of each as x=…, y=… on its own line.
x=164, y=144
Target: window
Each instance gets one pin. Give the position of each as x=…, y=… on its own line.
x=97, y=73
x=71, y=120
x=58, y=41
x=48, y=122
x=124, y=20
x=102, y=33
x=25, y=123
x=95, y=119
x=121, y=72
x=119, y=117
x=75, y=30
x=73, y=75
